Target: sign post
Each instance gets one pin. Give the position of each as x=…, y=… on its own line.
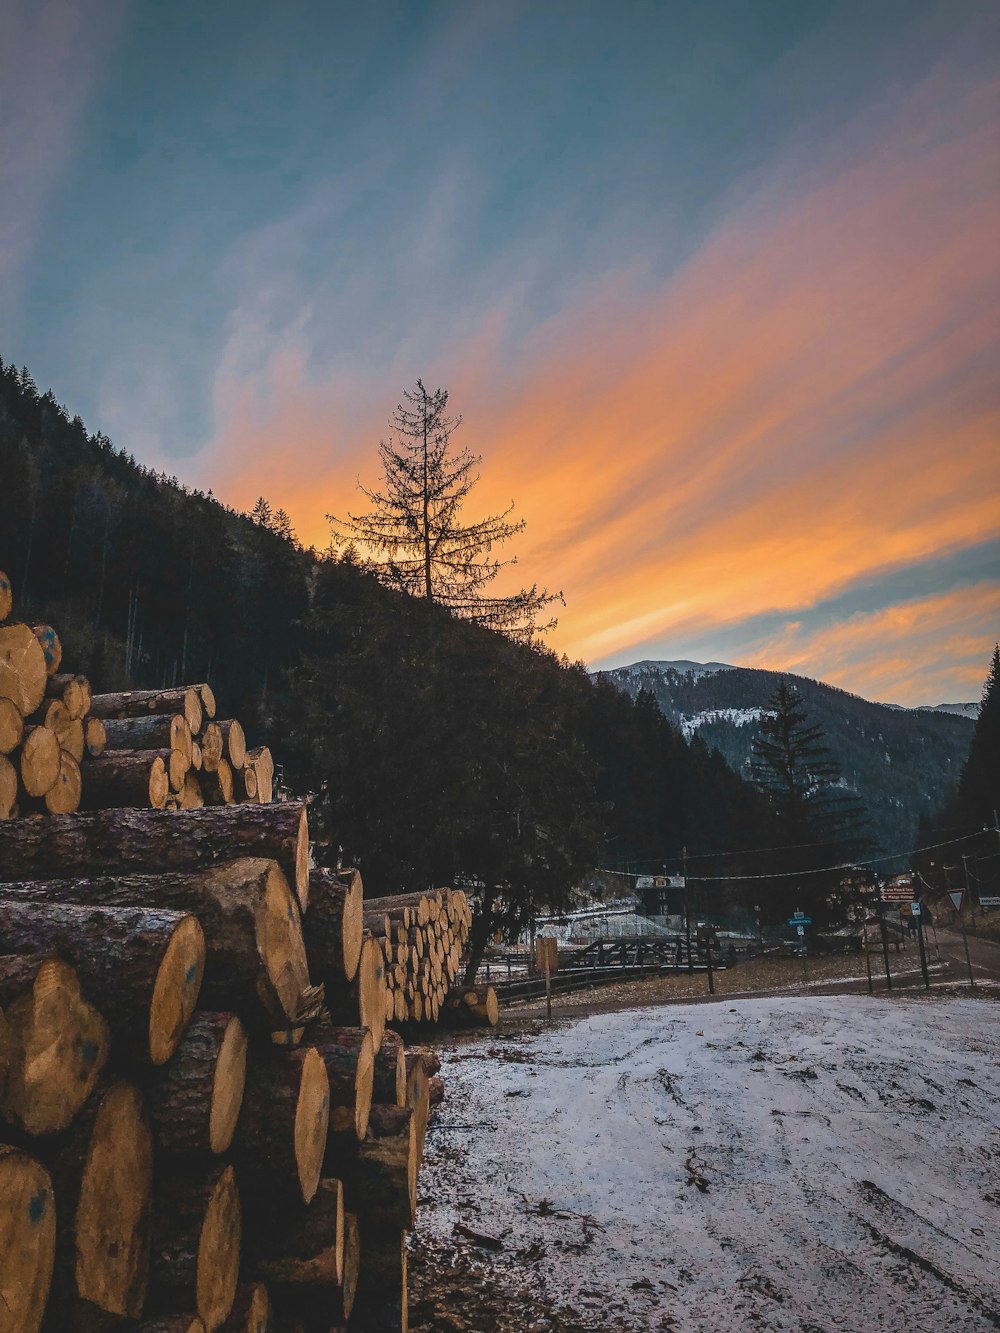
x=547, y=958
x=957, y=897
x=885, y=946
x=918, y=916
x=799, y=920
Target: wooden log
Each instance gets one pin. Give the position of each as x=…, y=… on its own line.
x=143, y=703
x=190, y=796
x=435, y=1090
x=245, y=783
x=27, y=1240
x=282, y=1129
x=51, y=647
x=217, y=784
x=196, y=756
x=6, y=596
x=11, y=725
x=263, y=764
x=212, y=745
x=8, y=788
x=418, y=1095
x=95, y=738
x=349, y=1057
x=195, y=1250
x=471, y=1006
x=194, y=1102
x=174, y=1323
x=73, y=691
x=380, y=1178
x=234, y=742
x=141, y=967
x=23, y=671
x=382, y=1301
x=40, y=757
x=207, y=696
x=63, y=796
x=255, y=960
x=251, y=1312
x=53, y=1044
x=139, y=779
x=332, y=926
x=102, y=1175
x=301, y=1247
x=137, y=839
x=361, y=1002
x=169, y=731
x=389, y=1085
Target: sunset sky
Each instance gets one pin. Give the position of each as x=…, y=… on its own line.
x=716, y=288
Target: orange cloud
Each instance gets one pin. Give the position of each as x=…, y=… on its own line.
x=805, y=405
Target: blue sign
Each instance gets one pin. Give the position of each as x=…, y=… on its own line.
x=800, y=919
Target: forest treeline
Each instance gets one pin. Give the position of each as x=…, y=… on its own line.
x=436, y=751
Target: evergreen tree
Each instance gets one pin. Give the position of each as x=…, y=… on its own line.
x=979, y=785
x=821, y=824
x=415, y=535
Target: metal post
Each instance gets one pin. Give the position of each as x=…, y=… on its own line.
x=968, y=960
x=968, y=887
x=923, y=952
x=687, y=908
x=548, y=988
x=708, y=955
x=885, y=946
x=868, y=960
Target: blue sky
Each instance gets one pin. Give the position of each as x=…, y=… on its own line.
x=685, y=267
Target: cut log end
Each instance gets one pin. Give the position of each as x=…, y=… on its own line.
x=176, y=991
x=302, y=861
x=251, y=1311
x=40, y=758
x=371, y=990
x=112, y=1218
x=219, y=1251
x=227, y=1086
x=23, y=674
x=11, y=725
x=27, y=1240
x=312, y=1116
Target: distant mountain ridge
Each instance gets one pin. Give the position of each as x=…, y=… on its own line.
x=902, y=762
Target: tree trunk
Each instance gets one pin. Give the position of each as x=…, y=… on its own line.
x=95, y=738
x=73, y=692
x=143, y=703
x=53, y=1044
x=251, y=1312
x=141, y=967
x=167, y=732
x=303, y=1247
x=361, y=1003
x=217, y=784
x=380, y=1179
x=212, y=745
x=234, y=742
x=195, y=1252
x=389, y=1086
x=140, y=839
x=382, y=1302
x=40, y=756
x=281, y=1133
x=27, y=1241
x=139, y=779
x=332, y=925
x=194, y=1102
x=349, y=1057
x=173, y=1323
x=23, y=673
x=64, y=797
x=255, y=959
x=11, y=725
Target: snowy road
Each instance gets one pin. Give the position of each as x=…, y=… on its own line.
x=781, y=1164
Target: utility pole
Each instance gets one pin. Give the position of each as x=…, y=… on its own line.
x=885, y=946
x=687, y=907
x=968, y=886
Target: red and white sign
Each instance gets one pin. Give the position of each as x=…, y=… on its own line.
x=899, y=889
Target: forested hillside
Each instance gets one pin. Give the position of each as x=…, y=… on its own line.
x=437, y=751
x=902, y=762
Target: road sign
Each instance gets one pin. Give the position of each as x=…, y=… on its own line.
x=800, y=919
x=914, y=909
x=989, y=901
x=546, y=952
x=801, y=930
x=904, y=909
x=957, y=897
x=899, y=889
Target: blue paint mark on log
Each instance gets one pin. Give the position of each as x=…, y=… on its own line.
x=192, y=972
x=36, y=1208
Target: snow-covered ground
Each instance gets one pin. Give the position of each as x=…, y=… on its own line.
x=811, y=1163
x=739, y=717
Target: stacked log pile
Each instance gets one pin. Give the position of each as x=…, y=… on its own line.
x=421, y=936
x=204, y=1123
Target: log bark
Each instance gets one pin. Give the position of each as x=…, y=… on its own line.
x=245, y=784
x=380, y=1179
x=102, y=1174
x=263, y=765
x=194, y=1102
x=282, y=1129
x=53, y=1044
x=217, y=784
x=471, y=1006
x=40, y=757
x=22, y=668
x=27, y=1240
x=332, y=926
x=255, y=960
x=158, y=732
x=251, y=1312
x=304, y=1247
x=418, y=1099
x=196, y=1243
x=11, y=725
x=141, y=967
x=185, y=700
x=95, y=738
x=138, y=779
x=382, y=1301
x=138, y=839
x=173, y=1323
x=349, y=1057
